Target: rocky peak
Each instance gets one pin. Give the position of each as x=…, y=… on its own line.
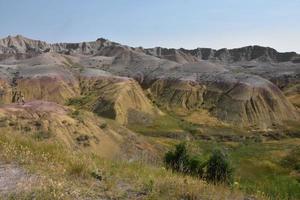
x=21, y=44
x=248, y=53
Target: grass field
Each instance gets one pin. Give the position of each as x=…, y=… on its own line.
x=257, y=162
x=64, y=174
x=258, y=166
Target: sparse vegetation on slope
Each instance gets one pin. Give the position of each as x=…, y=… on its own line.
x=241, y=101
x=181, y=161
x=67, y=175
x=258, y=166
x=216, y=169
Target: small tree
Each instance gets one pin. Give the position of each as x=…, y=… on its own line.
x=178, y=160
x=196, y=167
x=181, y=161
x=218, y=169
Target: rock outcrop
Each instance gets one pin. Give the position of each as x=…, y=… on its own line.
x=50, y=121
x=117, y=98
x=242, y=100
x=174, y=93
x=248, y=101
x=230, y=84
x=264, y=54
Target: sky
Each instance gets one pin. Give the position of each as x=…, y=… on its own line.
x=149, y=23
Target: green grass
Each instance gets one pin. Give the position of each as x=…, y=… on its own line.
x=258, y=168
x=83, y=102
x=72, y=64
x=166, y=126
x=160, y=126
x=69, y=174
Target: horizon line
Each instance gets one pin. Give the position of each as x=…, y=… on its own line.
x=154, y=46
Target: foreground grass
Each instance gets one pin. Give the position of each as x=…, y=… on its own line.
x=258, y=166
x=63, y=174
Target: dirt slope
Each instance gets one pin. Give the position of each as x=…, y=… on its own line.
x=117, y=98
x=76, y=130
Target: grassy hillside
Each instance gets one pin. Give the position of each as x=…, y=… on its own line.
x=65, y=174
x=74, y=154
x=257, y=157
x=260, y=167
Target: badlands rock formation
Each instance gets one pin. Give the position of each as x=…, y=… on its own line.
x=247, y=87
x=119, y=98
x=83, y=130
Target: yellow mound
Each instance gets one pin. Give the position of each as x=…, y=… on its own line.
x=48, y=89
x=294, y=99
x=118, y=98
x=76, y=130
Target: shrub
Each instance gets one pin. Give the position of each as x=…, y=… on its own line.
x=41, y=135
x=78, y=168
x=103, y=125
x=97, y=174
x=76, y=114
x=196, y=167
x=3, y=122
x=180, y=161
x=38, y=124
x=218, y=169
x=75, y=101
x=11, y=123
x=83, y=140
x=26, y=128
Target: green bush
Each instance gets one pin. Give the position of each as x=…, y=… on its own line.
x=78, y=168
x=42, y=135
x=76, y=114
x=196, y=167
x=218, y=168
x=180, y=161
x=75, y=102
x=97, y=174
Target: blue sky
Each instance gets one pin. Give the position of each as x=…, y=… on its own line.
x=149, y=23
